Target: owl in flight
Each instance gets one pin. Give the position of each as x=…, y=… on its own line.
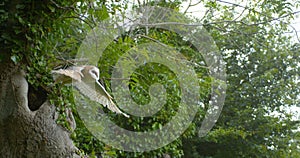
x=84, y=79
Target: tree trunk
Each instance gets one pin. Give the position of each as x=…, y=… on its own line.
x=26, y=133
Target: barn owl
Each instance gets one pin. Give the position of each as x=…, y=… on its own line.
x=83, y=77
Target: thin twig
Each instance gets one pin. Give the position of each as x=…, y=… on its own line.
x=152, y=39
x=190, y=3
x=62, y=7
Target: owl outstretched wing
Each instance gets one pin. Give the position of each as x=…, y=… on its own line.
x=68, y=74
x=99, y=94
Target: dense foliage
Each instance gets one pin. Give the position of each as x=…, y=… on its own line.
x=262, y=65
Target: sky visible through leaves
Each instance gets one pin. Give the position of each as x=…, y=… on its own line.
x=196, y=9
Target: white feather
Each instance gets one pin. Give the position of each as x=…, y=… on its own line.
x=80, y=73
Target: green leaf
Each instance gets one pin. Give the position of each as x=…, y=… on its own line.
x=15, y=58
x=20, y=6
x=52, y=9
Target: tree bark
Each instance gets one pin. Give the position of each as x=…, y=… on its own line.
x=26, y=133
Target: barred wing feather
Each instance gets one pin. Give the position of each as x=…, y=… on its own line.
x=101, y=95
x=67, y=73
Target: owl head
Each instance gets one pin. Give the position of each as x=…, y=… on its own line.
x=94, y=72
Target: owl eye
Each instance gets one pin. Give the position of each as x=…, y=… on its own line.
x=95, y=74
